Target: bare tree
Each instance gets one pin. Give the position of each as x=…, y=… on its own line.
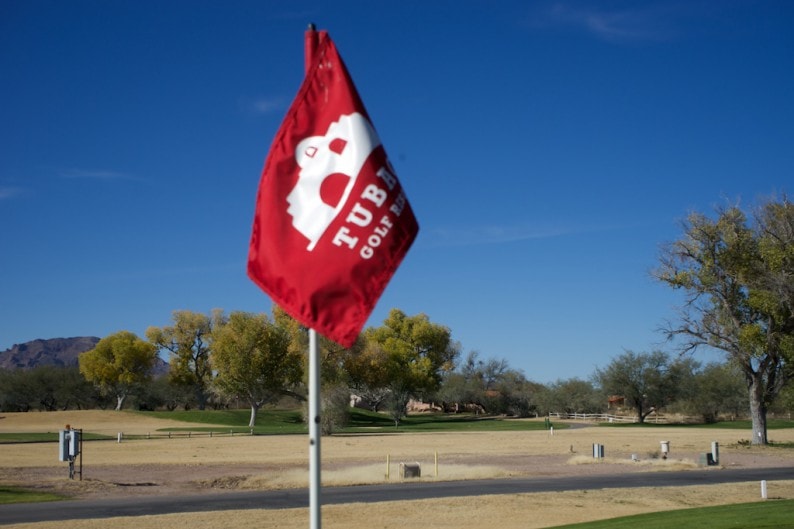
x=738, y=280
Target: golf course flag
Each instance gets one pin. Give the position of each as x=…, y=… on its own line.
x=332, y=222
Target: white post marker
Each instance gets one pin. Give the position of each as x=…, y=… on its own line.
x=763, y=489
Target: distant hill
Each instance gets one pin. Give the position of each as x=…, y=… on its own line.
x=59, y=352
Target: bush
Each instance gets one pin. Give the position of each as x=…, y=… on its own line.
x=334, y=409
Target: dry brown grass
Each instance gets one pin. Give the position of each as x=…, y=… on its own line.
x=620, y=443
x=280, y=461
x=517, y=511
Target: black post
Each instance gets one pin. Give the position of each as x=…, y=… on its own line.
x=81, y=453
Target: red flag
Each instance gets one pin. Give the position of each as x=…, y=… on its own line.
x=332, y=222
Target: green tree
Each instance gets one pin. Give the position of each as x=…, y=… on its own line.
x=119, y=364
x=648, y=381
x=188, y=343
x=719, y=390
x=416, y=353
x=512, y=394
x=490, y=385
x=334, y=380
x=785, y=402
x=367, y=366
x=573, y=395
x=464, y=386
x=253, y=360
x=16, y=392
x=57, y=388
x=737, y=279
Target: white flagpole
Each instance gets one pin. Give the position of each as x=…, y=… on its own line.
x=315, y=518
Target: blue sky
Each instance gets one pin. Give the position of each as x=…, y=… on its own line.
x=548, y=149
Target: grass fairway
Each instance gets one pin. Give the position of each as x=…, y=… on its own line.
x=770, y=514
x=268, y=421
x=274, y=422
x=19, y=495
x=43, y=437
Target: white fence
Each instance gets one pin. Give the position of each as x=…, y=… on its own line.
x=180, y=434
x=606, y=417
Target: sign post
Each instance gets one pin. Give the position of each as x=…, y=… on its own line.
x=70, y=446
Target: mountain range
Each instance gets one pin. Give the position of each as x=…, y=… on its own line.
x=59, y=352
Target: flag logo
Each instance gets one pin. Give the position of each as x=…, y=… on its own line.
x=329, y=164
x=332, y=221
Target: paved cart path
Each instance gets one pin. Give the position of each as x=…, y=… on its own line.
x=297, y=498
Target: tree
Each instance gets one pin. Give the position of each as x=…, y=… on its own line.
x=48, y=388
x=252, y=357
x=647, y=381
x=573, y=395
x=416, y=352
x=58, y=388
x=366, y=365
x=119, y=364
x=16, y=392
x=785, y=402
x=188, y=342
x=334, y=381
x=512, y=394
x=490, y=385
x=464, y=385
x=719, y=389
x=738, y=279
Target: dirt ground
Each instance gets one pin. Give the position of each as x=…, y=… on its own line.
x=203, y=464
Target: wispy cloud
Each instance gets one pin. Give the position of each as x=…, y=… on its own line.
x=640, y=23
x=82, y=174
x=263, y=105
x=493, y=234
x=7, y=193
x=268, y=105
x=181, y=271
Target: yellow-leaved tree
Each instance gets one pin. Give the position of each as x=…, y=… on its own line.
x=119, y=365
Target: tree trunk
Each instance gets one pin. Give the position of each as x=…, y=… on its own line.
x=757, y=409
x=254, y=410
x=201, y=398
x=120, y=401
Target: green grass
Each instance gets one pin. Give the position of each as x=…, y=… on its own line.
x=18, y=495
x=43, y=437
x=759, y=515
x=290, y=421
x=273, y=421
x=268, y=421
x=367, y=421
